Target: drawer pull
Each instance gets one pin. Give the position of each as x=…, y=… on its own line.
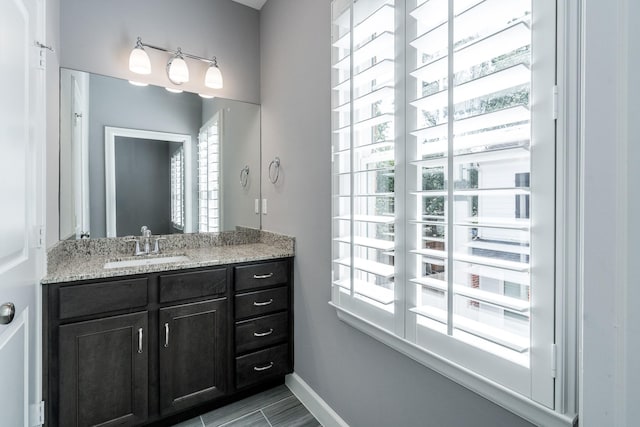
x=263, y=334
x=262, y=276
x=262, y=304
x=263, y=368
x=166, y=335
x=140, y=340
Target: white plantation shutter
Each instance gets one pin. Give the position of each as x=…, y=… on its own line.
x=177, y=189
x=209, y=175
x=463, y=257
x=364, y=156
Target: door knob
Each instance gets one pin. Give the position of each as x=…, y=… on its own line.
x=7, y=312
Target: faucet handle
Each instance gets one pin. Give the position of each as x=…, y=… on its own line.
x=156, y=249
x=133, y=239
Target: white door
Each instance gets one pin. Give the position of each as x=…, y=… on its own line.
x=21, y=207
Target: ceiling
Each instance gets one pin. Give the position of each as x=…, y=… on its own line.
x=256, y=4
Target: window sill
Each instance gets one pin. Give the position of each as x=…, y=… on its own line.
x=500, y=395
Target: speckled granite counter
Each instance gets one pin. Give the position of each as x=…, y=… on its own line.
x=77, y=260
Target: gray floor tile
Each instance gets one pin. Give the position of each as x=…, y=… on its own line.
x=255, y=419
x=194, y=422
x=246, y=406
x=290, y=413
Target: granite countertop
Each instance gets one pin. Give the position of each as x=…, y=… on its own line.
x=79, y=260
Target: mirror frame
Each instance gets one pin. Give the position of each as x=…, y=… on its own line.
x=110, y=134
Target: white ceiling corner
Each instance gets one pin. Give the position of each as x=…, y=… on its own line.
x=256, y=4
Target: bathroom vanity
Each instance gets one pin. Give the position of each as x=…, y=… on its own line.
x=144, y=343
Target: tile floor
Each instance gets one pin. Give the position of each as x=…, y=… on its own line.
x=276, y=407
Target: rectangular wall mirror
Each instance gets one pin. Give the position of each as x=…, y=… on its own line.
x=140, y=155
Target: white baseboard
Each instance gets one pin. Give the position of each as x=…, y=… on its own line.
x=313, y=402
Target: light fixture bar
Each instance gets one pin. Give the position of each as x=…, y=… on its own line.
x=212, y=61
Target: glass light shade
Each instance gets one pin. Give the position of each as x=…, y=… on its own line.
x=172, y=90
x=205, y=96
x=213, y=78
x=178, y=70
x=133, y=82
x=139, y=61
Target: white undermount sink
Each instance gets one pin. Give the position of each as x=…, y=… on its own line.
x=140, y=262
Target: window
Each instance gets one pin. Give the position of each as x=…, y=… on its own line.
x=209, y=175
x=177, y=189
x=443, y=145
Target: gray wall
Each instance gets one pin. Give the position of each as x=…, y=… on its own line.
x=98, y=36
x=115, y=102
x=366, y=382
x=143, y=186
x=240, y=147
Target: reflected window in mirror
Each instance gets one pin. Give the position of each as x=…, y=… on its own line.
x=209, y=172
x=177, y=189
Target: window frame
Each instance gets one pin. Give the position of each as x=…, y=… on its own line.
x=564, y=275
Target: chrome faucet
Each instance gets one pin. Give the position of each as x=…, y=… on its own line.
x=146, y=237
x=145, y=242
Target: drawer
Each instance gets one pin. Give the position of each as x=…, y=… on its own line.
x=261, y=332
x=261, y=275
x=103, y=297
x=193, y=284
x=261, y=365
x=261, y=302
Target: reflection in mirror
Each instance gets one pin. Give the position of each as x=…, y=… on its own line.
x=133, y=156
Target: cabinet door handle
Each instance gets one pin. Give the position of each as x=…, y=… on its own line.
x=262, y=276
x=263, y=368
x=261, y=304
x=166, y=335
x=263, y=334
x=140, y=340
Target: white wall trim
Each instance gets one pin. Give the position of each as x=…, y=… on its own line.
x=313, y=402
x=497, y=393
x=110, y=134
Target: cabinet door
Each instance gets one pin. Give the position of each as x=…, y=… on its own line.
x=104, y=371
x=194, y=360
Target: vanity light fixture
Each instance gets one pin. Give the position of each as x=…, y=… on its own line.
x=213, y=78
x=177, y=69
x=139, y=61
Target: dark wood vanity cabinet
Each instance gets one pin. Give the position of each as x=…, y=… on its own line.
x=104, y=370
x=263, y=322
x=135, y=350
x=193, y=359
